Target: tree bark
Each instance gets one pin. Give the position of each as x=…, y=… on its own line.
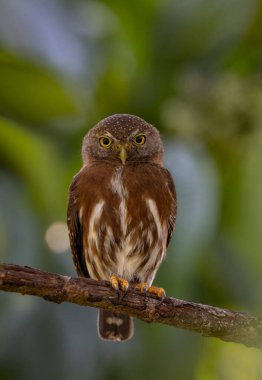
x=209, y=321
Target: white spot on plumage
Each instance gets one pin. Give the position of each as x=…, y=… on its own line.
x=114, y=321
x=95, y=218
x=154, y=211
x=92, y=238
x=117, y=183
x=119, y=189
x=123, y=216
x=80, y=214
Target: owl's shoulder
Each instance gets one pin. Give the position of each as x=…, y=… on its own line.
x=149, y=172
x=93, y=173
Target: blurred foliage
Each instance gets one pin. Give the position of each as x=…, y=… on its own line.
x=193, y=69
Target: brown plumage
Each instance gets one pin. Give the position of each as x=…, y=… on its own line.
x=121, y=210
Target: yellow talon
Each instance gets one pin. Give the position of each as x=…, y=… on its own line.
x=124, y=284
x=145, y=288
x=114, y=282
x=142, y=286
x=118, y=283
x=159, y=292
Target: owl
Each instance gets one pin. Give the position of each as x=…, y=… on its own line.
x=121, y=212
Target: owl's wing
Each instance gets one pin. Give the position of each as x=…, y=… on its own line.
x=173, y=210
x=76, y=230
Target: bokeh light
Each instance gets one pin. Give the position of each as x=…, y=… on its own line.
x=57, y=237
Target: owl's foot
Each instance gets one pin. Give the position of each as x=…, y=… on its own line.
x=142, y=287
x=159, y=292
x=146, y=288
x=118, y=283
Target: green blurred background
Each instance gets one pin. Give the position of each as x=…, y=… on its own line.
x=192, y=68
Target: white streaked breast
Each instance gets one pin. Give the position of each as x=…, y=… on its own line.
x=154, y=211
x=94, y=218
x=119, y=189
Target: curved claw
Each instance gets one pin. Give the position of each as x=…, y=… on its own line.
x=142, y=287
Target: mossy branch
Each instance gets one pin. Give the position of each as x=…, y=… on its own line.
x=209, y=321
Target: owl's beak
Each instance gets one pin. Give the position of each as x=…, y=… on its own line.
x=123, y=154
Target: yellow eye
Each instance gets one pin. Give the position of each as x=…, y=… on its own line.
x=139, y=139
x=105, y=141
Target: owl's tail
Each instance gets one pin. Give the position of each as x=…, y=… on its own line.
x=113, y=326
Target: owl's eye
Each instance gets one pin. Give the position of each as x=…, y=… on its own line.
x=105, y=141
x=139, y=139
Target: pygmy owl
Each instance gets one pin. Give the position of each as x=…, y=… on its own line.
x=121, y=211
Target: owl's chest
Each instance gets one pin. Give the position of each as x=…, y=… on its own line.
x=127, y=202
x=130, y=199
x=136, y=212
x=121, y=201
x=125, y=231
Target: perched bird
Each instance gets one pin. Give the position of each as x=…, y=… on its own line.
x=121, y=211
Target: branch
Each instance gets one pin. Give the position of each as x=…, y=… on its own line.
x=230, y=326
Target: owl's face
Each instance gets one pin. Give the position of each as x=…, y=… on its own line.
x=123, y=139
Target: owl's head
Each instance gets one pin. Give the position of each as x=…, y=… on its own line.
x=122, y=139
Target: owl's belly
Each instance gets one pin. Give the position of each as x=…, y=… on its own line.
x=129, y=245
x=141, y=249
x=139, y=256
